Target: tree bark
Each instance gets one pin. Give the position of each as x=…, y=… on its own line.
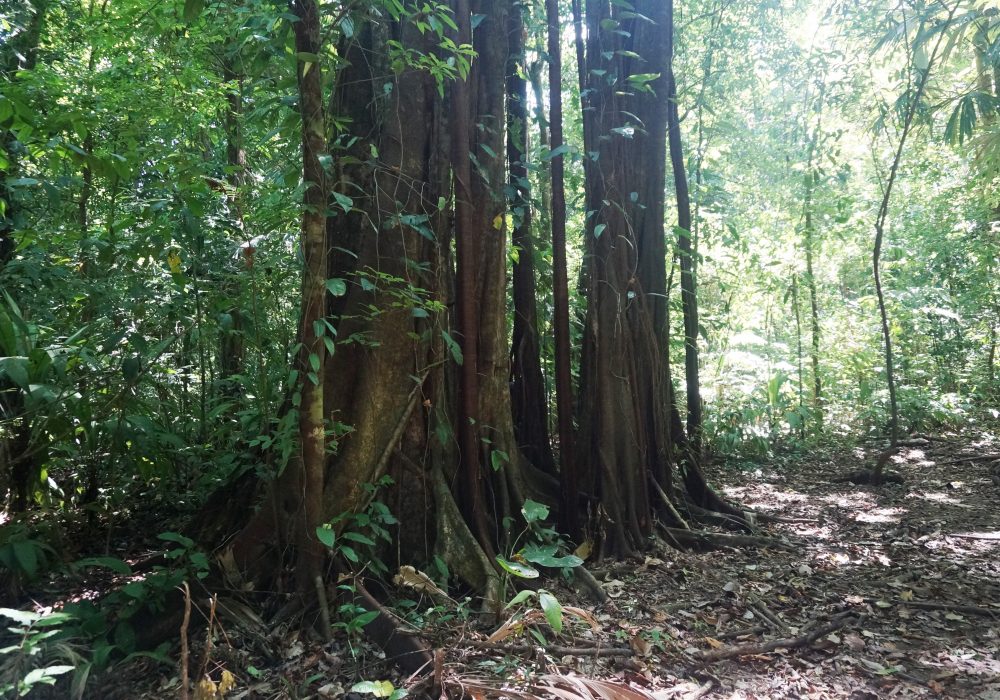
x=689, y=294
x=808, y=237
x=560, y=283
x=312, y=354
x=527, y=384
x=880, y=221
x=623, y=412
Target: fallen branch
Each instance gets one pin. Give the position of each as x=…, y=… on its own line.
x=594, y=651
x=759, y=607
x=707, y=657
x=746, y=631
x=970, y=458
x=950, y=607
x=702, y=538
x=768, y=518
x=995, y=537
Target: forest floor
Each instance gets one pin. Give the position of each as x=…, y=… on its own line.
x=890, y=591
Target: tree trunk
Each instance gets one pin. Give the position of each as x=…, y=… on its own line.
x=624, y=415
x=689, y=294
x=560, y=283
x=880, y=221
x=312, y=354
x=808, y=236
x=527, y=385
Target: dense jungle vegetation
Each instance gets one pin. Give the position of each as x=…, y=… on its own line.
x=337, y=334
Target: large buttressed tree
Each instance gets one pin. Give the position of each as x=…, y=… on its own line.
x=398, y=338
x=630, y=424
x=625, y=410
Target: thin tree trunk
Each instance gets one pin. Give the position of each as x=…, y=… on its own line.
x=880, y=221
x=810, y=180
x=689, y=294
x=312, y=432
x=527, y=384
x=798, y=343
x=560, y=282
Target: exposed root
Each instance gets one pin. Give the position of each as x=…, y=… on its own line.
x=458, y=547
x=870, y=477
x=762, y=648
x=401, y=646
x=701, y=540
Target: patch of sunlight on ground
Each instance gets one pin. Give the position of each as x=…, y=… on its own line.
x=881, y=515
x=764, y=495
x=939, y=497
x=858, y=500
x=861, y=557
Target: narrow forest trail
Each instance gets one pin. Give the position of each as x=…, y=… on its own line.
x=878, y=560
x=887, y=592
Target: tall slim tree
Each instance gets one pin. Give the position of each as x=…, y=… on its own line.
x=913, y=99
x=689, y=293
x=527, y=384
x=560, y=281
x=312, y=354
x=810, y=180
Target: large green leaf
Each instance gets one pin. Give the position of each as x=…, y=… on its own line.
x=517, y=569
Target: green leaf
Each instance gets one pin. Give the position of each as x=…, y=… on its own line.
x=180, y=539
x=553, y=610
x=520, y=598
x=45, y=675
x=326, y=535
x=516, y=569
x=533, y=511
x=358, y=537
x=642, y=78
x=364, y=618
x=453, y=347
x=116, y=565
x=599, y=229
x=16, y=369
x=22, y=617
x=380, y=689
x=336, y=286
x=546, y=556
x=558, y=151
x=498, y=458
x=345, y=202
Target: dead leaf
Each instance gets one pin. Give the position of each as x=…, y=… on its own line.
x=854, y=642
x=640, y=645
x=410, y=577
